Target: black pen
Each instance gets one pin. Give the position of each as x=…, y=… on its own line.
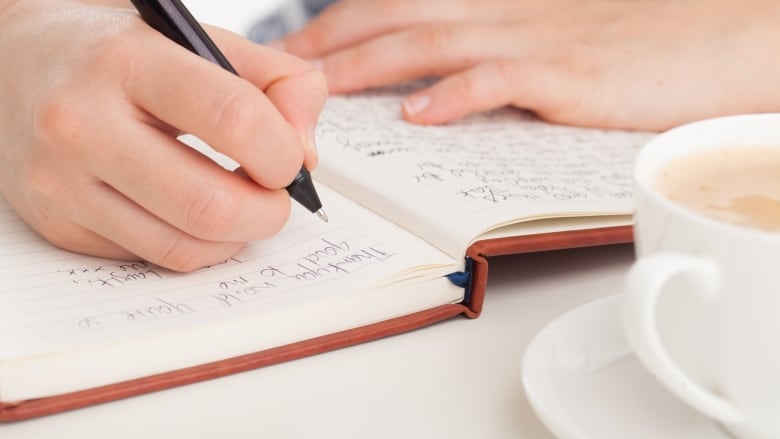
x=172, y=19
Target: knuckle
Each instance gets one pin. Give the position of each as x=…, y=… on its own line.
x=237, y=115
x=57, y=119
x=464, y=86
x=211, y=212
x=131, y=74
x=435, y=37
x=178, y=252
x=505, y=71
x=119, y=44
x=130, y=46
x=309, y=42
x=583, y=62
x=316, y=83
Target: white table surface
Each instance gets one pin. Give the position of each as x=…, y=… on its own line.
x=236, y=15
x=457, y=379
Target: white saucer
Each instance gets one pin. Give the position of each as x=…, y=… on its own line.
x=584, y=383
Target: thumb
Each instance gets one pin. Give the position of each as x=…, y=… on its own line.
x=296, y=88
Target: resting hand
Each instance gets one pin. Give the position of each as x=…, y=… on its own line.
x=609, y=63
x=92, y=101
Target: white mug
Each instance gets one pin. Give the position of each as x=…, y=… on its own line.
x=701, y=305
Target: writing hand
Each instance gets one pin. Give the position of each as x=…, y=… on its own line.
x=607, y=63
x=91, y=105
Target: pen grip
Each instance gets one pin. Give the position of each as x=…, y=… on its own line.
x=172, y=19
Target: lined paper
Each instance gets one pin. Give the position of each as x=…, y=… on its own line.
x=51, y=299
x=453, y=182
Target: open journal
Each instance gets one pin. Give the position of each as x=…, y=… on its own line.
x=414, y=213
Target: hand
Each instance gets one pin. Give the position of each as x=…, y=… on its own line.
x=91, y=103
x=609, y=63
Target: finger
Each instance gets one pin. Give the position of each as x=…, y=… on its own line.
x=295, y=87
x=145, y=236
x=229, y=113
x=349, y=22
x=430, y=50
x=535, y=86
x=77, y=239
x=101, y=222
x=301, y=100
x=184, y=188
x=299, y=93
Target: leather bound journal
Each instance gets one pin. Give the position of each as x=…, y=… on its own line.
x=416, y=212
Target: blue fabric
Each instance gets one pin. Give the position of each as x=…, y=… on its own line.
x=286, y=19
x=463, y=280
x=460, y=278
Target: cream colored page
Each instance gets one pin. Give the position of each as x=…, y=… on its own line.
x=56, y=300
x=451, y=183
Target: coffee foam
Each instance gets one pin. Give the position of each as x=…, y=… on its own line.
x=740, y=185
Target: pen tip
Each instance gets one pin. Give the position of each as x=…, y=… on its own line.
x=322, y=215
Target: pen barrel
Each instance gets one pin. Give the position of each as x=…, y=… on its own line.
x=172, y=19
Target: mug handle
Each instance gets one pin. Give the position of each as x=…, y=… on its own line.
x=643, y=285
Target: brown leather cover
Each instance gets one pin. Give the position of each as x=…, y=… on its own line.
x=478, y=252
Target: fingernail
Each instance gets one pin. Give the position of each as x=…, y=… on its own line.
x=276, y=44
x=416, y=103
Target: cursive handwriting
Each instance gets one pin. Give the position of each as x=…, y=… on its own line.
x=326, y=260
x=112, y=275
x=496, y=157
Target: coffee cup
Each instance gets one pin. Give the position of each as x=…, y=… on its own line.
x=700, y=306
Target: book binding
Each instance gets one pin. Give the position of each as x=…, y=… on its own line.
x=478, y=254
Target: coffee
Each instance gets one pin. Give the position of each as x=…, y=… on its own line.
x=740, y=185
x=699, y=307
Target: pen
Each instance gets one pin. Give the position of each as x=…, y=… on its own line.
x=172, y=19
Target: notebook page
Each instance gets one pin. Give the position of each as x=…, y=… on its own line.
x=53, y=300
x=451, y=183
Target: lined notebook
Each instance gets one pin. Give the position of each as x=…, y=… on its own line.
x=415, y=212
